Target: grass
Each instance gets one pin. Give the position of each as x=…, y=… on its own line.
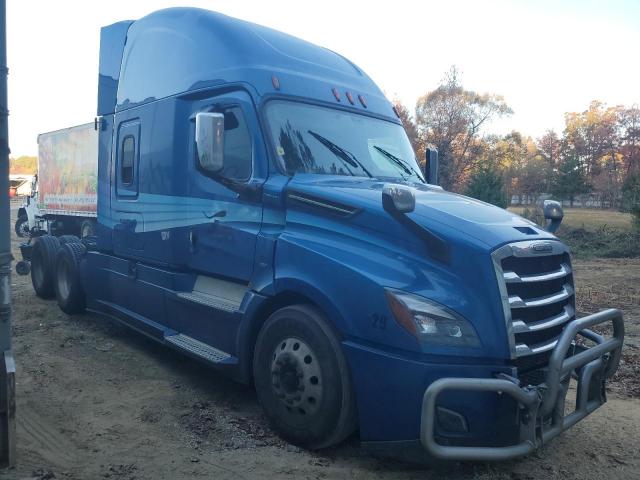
x=597, y=233
x=591, y=219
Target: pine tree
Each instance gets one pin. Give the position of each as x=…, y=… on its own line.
x=487, y=185
x=570, y=179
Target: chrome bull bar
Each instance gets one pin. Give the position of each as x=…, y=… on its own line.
x=543, y=406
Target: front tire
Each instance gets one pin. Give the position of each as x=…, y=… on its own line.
x=302, y=379
x=22, y=226
x=43, y=265
x=68, y=284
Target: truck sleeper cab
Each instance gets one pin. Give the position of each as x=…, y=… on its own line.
x=260, y=208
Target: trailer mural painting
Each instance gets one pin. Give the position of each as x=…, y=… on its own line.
x=67, y=170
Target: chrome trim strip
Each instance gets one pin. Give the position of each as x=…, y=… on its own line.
x=523, y=350
x=521, y=327
x=516, y=302
x=513, y=277
x=319, y=204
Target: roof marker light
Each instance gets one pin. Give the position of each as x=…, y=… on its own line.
x=275, y=82
x=336, y=93
x=362, y=101
x=350, y=98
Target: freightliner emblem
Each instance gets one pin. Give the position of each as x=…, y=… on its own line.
x=543, y=247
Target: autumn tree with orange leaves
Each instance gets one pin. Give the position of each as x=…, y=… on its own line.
x=597, y=153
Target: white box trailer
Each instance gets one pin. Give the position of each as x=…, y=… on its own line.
x=65, y=198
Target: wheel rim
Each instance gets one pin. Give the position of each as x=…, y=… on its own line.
x=295, y=377
x=63, y=280
x=87, y=230
x=23, y=228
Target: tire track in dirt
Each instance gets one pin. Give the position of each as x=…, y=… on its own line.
x=41, y=437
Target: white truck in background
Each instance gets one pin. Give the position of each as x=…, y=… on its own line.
x=64, y=198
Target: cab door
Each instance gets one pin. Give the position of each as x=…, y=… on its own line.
x=128, y=228
x=223, y=243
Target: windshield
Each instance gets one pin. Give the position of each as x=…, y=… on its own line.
x=313, y=139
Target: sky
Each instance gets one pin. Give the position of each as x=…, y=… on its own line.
x=545, y=57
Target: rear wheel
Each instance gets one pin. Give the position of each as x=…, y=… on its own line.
x=68, y=285
x=43, y=265
x=68, y=239
x=302, y=379
x=22, y=226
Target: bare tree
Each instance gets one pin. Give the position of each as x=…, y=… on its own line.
x=451, y=118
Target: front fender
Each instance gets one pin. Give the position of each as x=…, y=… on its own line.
x=346, y=274
x=346, y=280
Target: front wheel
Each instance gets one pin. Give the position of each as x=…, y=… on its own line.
x=302, y=378
x=22, y=226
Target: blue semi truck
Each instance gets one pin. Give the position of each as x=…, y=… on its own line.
x=260, y=208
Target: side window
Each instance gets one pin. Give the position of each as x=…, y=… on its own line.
x=237, y=146
x=127, y=160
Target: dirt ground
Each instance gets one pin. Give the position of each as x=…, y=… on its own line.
x=96, y=401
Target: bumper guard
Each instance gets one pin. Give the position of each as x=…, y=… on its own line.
x=543, y=406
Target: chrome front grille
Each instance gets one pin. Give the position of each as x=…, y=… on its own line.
x=538, y=298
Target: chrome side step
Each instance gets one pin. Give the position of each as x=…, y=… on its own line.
x=197, y=348
x=210, y=301
x=216, y=293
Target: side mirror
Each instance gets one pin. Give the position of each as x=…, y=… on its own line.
x=554, y=214
x=210, y=141
x=431, y=166
x=397, y=198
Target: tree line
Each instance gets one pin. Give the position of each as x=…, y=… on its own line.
x=23, y=165
x=598, y=153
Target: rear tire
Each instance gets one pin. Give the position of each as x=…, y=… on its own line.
x=68, y=284
x=68, y=239
x=43, y=265
x=22, y=226
x=302, y=379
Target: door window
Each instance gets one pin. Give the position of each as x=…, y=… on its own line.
x=238, y=150
x=128, y=155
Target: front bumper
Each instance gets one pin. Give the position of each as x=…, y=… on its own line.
x=542, y=407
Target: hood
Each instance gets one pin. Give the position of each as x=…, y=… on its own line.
x=451, y=216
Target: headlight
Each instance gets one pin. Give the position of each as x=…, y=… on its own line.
x=430, y=322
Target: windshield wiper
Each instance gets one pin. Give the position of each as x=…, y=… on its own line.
x=408, y=169
x=340, y=152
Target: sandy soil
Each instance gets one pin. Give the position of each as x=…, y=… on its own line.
x=98, y=401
